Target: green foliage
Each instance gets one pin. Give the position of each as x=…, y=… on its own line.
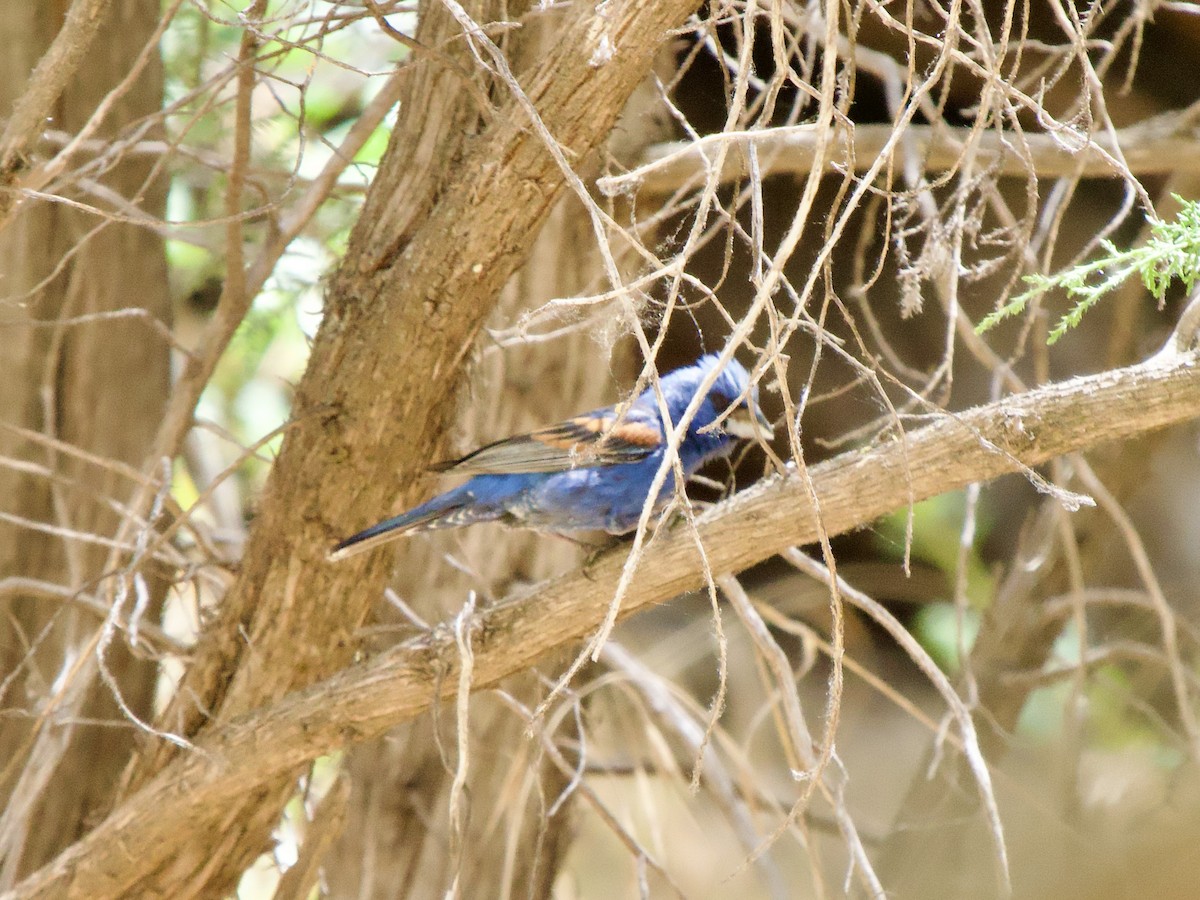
x=946, y=633
x=1172, y=252
x=1115, y=721
x=937, y=528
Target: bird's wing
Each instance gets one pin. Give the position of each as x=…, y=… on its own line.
x=600, y=438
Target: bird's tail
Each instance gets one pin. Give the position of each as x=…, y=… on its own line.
x=422, y=518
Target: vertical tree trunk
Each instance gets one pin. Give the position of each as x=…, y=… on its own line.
x=396, y=831
x=99, y=387
x=396, y=835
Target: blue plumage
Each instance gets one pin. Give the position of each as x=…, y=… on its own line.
x=590, y=473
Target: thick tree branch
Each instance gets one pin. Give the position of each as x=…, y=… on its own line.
x=456, y=205
x=1164, y=144
x=853, y=489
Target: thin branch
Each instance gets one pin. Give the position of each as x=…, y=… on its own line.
x=36, y=104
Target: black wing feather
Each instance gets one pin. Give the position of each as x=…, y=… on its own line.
x=596, y=439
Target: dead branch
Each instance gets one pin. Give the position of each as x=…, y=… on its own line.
x=1160, y=145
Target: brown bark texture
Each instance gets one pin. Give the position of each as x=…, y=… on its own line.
x=399, y=808
x=417, y=282
x=96, y=387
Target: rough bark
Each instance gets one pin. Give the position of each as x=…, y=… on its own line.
x=402, y=315
x=99, y=387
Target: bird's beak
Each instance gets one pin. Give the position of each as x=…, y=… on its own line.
x=742, y=423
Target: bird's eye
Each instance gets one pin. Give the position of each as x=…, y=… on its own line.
x=719, y=400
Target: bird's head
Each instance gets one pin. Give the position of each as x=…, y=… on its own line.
x=733, y=389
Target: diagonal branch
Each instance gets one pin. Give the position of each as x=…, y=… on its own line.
x=853, y=489
x=46, y=84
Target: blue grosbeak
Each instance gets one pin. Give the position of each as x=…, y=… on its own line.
x=590, y=473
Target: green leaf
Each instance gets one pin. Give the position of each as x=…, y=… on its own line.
x=1172, y=252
